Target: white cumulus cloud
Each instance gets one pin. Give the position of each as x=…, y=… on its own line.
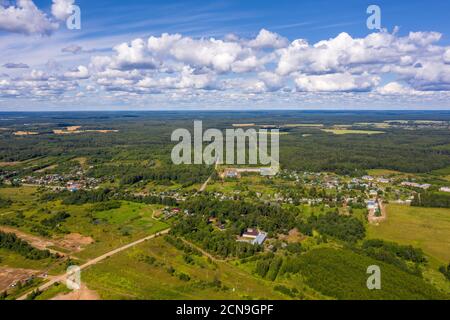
x=62, y=9
x=336, y=82
x=25, y=18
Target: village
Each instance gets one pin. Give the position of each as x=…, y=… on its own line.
x=288, y=188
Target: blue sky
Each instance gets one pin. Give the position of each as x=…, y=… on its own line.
x=266, y=56
x=311, y=19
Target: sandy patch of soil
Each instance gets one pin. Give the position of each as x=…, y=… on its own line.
x=25, y=133
x=9, y=276
x=101, y=131
x=59, y=131
x=35, y=241
x=84, y=293
x=240, y=125
x=74, y=242
x=73, y=128
x=9, y=164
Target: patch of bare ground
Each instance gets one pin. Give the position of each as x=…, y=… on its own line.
x=9, y=164
x=25, y=133
x=9, y=276
x=84, y=293
x=35, y=241
x=238, y=125
x=73, y=242
x=293, y=236
x=76, y=129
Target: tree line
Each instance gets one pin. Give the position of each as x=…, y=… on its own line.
x=11, y=242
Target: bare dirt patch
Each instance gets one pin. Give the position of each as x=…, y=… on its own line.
x=240, y=125
x=293, y=236
x=84, y=293
x=25, y=133
x=35, y=241
x=76, y=129
x=9, y=164
x=74, y=242
x=73, y=128
x=9, y=276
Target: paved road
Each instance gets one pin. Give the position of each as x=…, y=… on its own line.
x=62, y=278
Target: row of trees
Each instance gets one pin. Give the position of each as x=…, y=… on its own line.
x=405, y=257
x=104, y=198
x=432, y=199
x=11, y=242
x=186, y=175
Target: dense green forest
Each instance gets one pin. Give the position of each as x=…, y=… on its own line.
x=145, y=136
x=342, y=274
x=131, y=174
x=346, y=228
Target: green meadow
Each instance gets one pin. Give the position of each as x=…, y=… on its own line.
x=133, y=275
x=426, y=228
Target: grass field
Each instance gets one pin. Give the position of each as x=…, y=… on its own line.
x=108, y=229
x=115, y=227
x=15, y=260
x=307, y=125
x=248, y=182
x=443, y=173
x=53, y=291
x=426, y=228
x=129, y=276
x=383, y=172
x=23, y=193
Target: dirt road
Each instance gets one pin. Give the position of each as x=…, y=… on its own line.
x=377, y=219
x=205, y=253
x=62, y=278
x=205, y=184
